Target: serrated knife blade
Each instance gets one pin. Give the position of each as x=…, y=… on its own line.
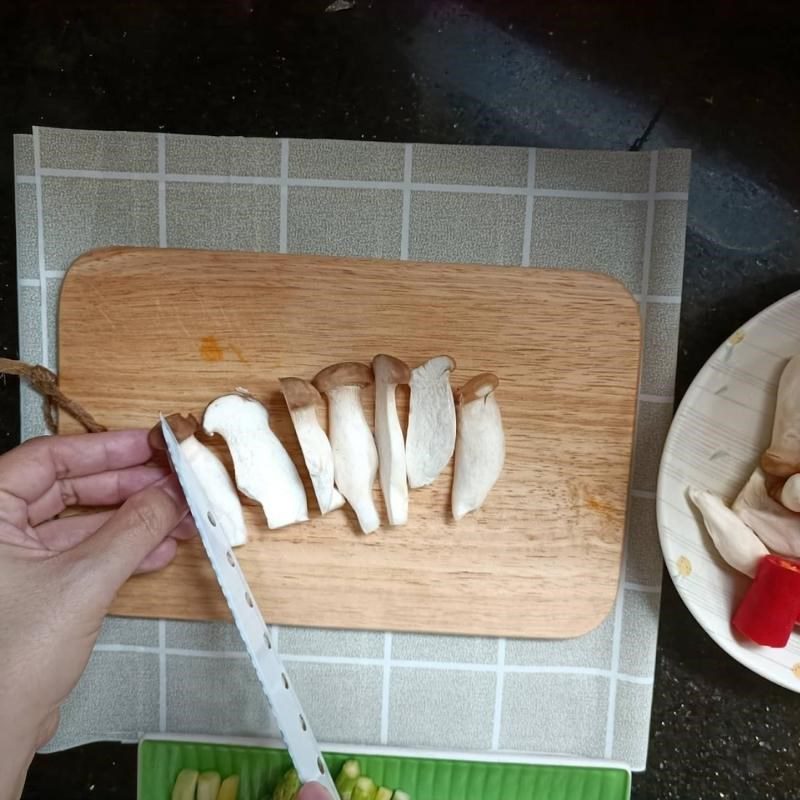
x=293, y=723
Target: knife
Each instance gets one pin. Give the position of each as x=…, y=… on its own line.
x=293, y=723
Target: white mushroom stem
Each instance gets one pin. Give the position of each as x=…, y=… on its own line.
x=480, y=444
x=782, y=459
x=389, y=372
x=355, y=457
x=301, y=399
x=264, y=471
x=735, y=542
x=431, y=434
x=211, y=474
x=776, y=526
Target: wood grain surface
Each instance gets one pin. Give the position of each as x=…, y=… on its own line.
x=143, y=331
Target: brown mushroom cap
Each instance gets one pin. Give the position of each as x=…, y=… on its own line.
x=182, y=426
x=299, y=393
x=348, y=373
x=450, y=361
x=391, y=370
x=477, y=388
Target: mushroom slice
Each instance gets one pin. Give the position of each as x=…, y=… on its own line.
x=389, y=372
x=355, y=458
x=480, y=444
x=431, y=434
x=735, y=542
x=301, y=400
x=776, y=526
x=782, y=459
x=211, y=474
x=263, y=468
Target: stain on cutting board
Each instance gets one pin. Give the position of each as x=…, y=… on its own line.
x=211, y=350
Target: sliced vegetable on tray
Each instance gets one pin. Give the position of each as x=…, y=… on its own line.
x=350, y=783
x=185, y=785
x=229, y=789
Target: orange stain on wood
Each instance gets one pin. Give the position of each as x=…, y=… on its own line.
x=601, y=507
x=210, y=349
x=239, y=354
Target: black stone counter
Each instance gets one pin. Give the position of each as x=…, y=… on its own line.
x=722, y=78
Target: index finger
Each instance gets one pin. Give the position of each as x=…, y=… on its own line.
x=313, y=791
x=32, y=468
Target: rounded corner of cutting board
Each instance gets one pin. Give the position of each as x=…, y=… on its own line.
x=601, y=610
x=96, y=256
x=85, y=265
x=620, y=290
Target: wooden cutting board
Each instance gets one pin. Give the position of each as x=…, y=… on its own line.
x=144, y=331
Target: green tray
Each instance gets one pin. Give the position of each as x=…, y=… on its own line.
x=423, y=778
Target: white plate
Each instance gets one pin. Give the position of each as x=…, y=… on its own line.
x=718, y=434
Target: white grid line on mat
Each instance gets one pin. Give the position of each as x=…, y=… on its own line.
x=528, y=229
x=652, y=299
x=642, y=587
x=162, y=675
x=659, y=399
x=330, y=183
x=111, y=647
x=37, y=162
x=162, y=191
x=616, y=641
x=405, y=228
x=499, y=686
x=648, y=231
x=616, y=646
x=387, y=677
x=284, y=225
x=356, y=661
x=31, y=283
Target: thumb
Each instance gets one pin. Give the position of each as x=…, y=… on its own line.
x=313, y=791
x=143, y=521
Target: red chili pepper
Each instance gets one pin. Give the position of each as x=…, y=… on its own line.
x=771, y=606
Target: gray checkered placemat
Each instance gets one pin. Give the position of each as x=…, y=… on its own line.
x=622, y=213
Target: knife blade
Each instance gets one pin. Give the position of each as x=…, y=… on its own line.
x=293, y=723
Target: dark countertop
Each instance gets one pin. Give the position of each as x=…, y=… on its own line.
x=721, y=78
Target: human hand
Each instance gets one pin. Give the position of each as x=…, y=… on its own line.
x=313, y=791
x=58, y=577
